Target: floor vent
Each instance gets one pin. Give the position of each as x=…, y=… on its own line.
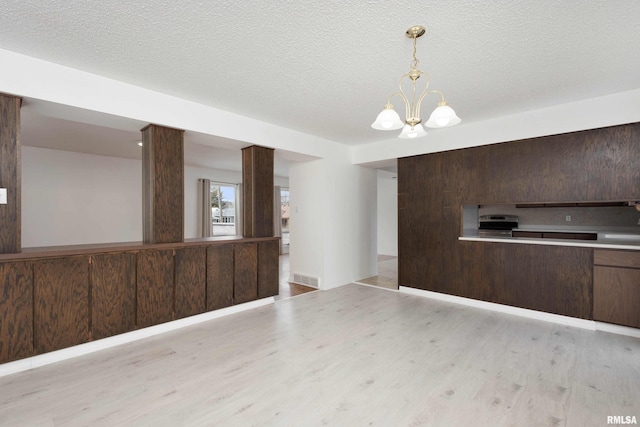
x=305, y=280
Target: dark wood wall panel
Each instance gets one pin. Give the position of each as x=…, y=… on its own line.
x=219, y=277
x=590, y=166
x=191, y=281
x=61, y=303
x=245, y=281
x=163, y=184
x=113, y=294
x=268, y=268
x=16, y=311
x=155, y=273
x=10, y=174
x=257, y=191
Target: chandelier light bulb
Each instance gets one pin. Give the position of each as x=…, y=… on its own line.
x=443, y=116
x=388, y=119
x=409, y=132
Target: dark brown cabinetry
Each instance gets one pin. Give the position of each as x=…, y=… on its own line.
x=191, y=281
x=113, y=294
x=553, y=279
x=219, y=277
x=597, y=165
x=59, y=298
x=16, y=310
x=155, y=272
x=60, y=303
x=268, y=268
x=245, y=282
x=616, y=287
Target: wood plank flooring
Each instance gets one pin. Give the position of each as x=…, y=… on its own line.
x=351, y=356
x=387, y=276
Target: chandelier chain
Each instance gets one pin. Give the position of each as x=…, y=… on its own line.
x=415, y=62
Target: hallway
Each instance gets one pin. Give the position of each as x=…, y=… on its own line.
x=387, y=273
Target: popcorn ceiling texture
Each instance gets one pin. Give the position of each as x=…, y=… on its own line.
x=327, y=67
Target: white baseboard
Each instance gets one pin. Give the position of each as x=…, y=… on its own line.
x=617, y=329
x=591, y=325
x=516, y=311
x=93, y=346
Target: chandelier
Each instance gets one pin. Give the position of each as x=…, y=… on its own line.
x=442, y=116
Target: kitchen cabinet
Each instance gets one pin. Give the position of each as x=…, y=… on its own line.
x=16, y=310
x=616, y=287
x=155, y=273
x=268, y=268
x=191, y=281
x=113, y=294
x=219, y=276
x=60, y=303
x=64, y=296
x=592, y=166
x=245, y=273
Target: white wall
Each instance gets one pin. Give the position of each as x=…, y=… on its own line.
x=333, y=221
x=73, y=198
x=387, y=214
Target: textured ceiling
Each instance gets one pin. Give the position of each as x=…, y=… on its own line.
x=326, y=67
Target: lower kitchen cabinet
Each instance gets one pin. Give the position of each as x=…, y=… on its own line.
x=219, y=277
x=245, y=281
x=54, y=300
x=155, y=273
x=616, y=287
x=60, y=303
x=268, y=268
x=191, y=281
x=113, y=294
x=16, y=311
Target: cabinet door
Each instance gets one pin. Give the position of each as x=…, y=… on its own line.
x=219, y=276
x=268, y=268
x=113, y=294
x=16, y=311
x=191, y=281
x=61, y=303
x=616, y=295
x=155, y=287
x=245, y=282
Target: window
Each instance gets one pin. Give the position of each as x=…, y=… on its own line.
x=223, y=209
x=284, y=220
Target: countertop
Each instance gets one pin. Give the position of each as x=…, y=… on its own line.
x=628, y=239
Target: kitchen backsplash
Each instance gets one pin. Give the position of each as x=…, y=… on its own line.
x=618, y=216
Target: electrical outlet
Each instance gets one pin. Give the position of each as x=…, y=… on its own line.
x=3, y=196
x=567, y=218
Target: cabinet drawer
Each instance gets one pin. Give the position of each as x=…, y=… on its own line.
x=629, y=259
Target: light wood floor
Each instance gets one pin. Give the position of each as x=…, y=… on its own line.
x=351, y=356
x=287, y=289
x=387, y=276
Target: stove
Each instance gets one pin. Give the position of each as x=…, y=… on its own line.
x=497, y=225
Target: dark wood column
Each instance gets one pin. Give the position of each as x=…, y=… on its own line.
x=162, y=184
x=10, y=173
x=257, y=191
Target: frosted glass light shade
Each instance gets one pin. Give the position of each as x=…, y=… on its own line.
x=416, y=132
x=443, y=116
x=388, y=119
